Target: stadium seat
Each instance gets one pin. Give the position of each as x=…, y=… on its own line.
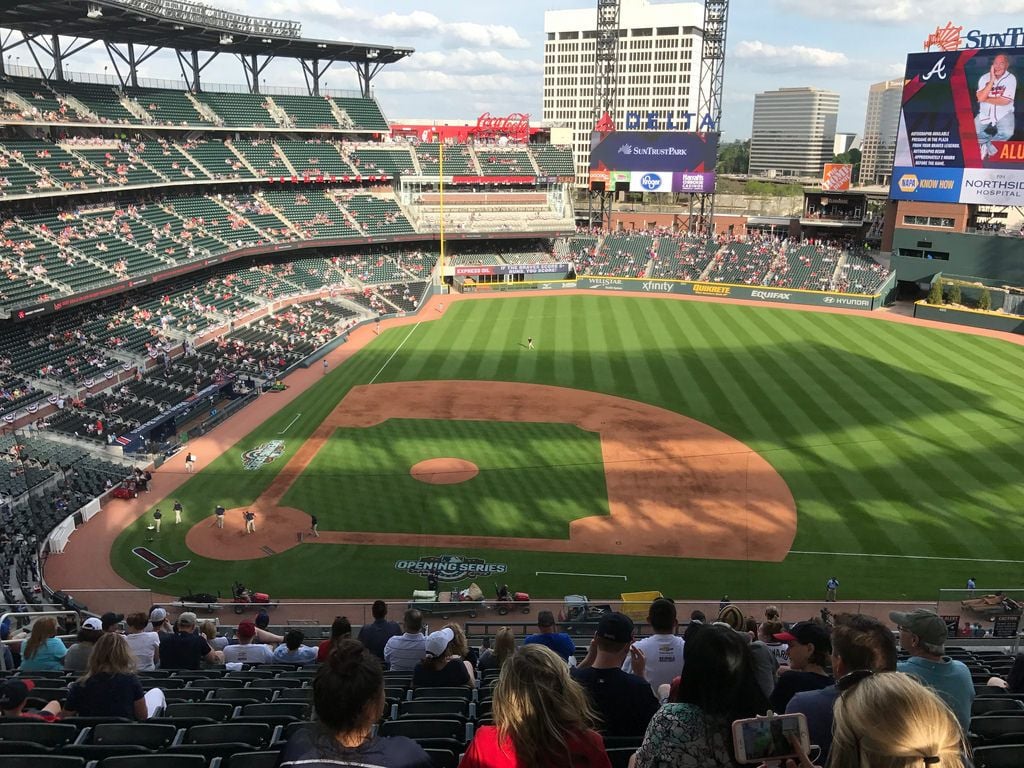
x=155, y=761
x=1004, y=756
x=443, y=758
x=996, y=729
x=433, y=708
x=43, y=761
x=217, y=711
x=983, y=706
x=22, y=748
x=266, y=759
x=144, y=734
x=277, y=708
x=458, y=692
x=102, y=751
x=47, y=734
x=253, y=734
x=427, y=729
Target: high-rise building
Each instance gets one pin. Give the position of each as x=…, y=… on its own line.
x=658, y=70
x=881, y=125
x=794, y=132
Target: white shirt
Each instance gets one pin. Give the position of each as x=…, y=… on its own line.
x=1005, y=87
x=251, y=653
x=664, y=656
x=404, y=652
x=143, y=645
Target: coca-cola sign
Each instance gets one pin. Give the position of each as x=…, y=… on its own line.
x=516, y=126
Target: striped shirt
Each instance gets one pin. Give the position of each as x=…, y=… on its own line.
x=404, y=652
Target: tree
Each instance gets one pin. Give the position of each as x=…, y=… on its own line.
x=954, y=294
x=985, y=302
x=935, y=294
x=734, y=157
x=850, y=157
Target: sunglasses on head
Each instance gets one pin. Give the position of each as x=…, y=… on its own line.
x=850, y=679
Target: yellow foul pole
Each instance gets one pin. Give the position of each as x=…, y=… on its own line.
x=440, y=179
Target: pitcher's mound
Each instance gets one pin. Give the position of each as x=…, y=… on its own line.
x=445, y=471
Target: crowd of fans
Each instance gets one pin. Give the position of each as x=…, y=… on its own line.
x=669, y=699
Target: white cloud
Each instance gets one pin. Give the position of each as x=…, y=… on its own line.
x=901, y=10
x=464, y=60
x=352, y=23
x=784, y=57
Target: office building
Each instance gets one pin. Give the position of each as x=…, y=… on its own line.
x=794, y=132
x=881, y=125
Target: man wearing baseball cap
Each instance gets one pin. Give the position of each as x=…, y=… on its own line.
x=111, y=621
x=185, y=648
x=246, y=651
x=624, y=700
x=14, y=693
x=923, y=636
x=809, y=651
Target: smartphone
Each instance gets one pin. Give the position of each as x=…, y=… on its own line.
x=768, y=738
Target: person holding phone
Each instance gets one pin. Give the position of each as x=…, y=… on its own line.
x=717, y=686
x=891, y=719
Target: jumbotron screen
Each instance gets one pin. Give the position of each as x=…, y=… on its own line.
x=961, y=134
x=655, y=161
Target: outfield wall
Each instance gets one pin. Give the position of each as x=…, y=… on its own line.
x=973, y=318
x=734, y=291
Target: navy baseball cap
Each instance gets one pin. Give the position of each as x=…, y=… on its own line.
x=617, y=627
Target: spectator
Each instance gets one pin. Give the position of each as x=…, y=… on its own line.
x=111, y=621
x=144, y=645
x=7, y=660
x=77, y=657
x=403, y=652
x=809, y=649
x=208, y=629
x=766, y=633
x=663, y=651
x=376, y=635
x=1015, y=680
x=859, y=643
x=292, y=650
x=559, y=642
x=14, y=693
x=245, y=651
x=440, y=666
x=460, y=648
x=110, y=687
x=42, y=651
x=718, y=686
x=341, y=629
x=159, y=623
x=184, y=648
x=504, y=647
x=923, y=636
x=541, y=718
x=623, y=700
x=697, y=620
x=892, y=720
x=765, y=666
x=348, y=696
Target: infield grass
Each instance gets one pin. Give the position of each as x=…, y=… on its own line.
x=899, y=443
x=534, y=479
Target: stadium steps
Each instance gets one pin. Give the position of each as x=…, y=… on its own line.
x=651, y=261
x=349, y=218
x=86, y=114
x=284, y=159
x=73, y=151
x=21, y=162
x=278, y=212
x=204, y=109
x=276, y=112
x=78, y=254
x=16, y=98
x=340, y=115
x=136, y=109
x=188, y=156
x=533, y=163
x=840, y=263
x=242, y=158
x=474, y=161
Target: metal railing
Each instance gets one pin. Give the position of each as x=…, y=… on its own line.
x=20, y=620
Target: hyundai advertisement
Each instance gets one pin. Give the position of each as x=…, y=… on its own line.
x=961, y=133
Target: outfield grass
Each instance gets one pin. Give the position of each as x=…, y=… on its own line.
x=534, y=479
x=898, y=443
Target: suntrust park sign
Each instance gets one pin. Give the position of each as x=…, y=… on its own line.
x=952, y=38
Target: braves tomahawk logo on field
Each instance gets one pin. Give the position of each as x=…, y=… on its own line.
x=161, y=568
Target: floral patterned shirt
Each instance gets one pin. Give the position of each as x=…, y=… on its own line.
x=680, y=736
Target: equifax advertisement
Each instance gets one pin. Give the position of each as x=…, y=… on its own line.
x=961, y=132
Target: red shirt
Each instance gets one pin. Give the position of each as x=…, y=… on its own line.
x=586, y=751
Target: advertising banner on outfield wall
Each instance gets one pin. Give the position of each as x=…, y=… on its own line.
x=748, y=292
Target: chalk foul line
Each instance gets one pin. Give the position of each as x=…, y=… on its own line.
x=907, y=557
x=392, y=357
x=290, y=424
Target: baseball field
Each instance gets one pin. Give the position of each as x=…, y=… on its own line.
x=697, y=448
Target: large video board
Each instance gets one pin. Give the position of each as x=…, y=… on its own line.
x=961, y=134
x=656, y=161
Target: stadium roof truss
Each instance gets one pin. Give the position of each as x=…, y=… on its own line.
x=197, y=33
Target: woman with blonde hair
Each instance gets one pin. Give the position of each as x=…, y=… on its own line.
x=109, y=687
x=542, y=718
x=43, y=650
x=889, y=720
x=504, y=647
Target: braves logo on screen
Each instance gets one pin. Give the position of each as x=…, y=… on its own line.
x=650, y=181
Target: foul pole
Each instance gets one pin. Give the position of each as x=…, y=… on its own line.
x=440, y=186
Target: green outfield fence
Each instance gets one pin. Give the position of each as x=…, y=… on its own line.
x=973, y=318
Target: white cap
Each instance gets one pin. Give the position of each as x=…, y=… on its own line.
x=437, y=642
x=93, y=623
x=157, y=615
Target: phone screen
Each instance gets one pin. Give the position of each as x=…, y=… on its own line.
x=769, y=737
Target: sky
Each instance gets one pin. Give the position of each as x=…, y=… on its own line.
x=487, y=56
